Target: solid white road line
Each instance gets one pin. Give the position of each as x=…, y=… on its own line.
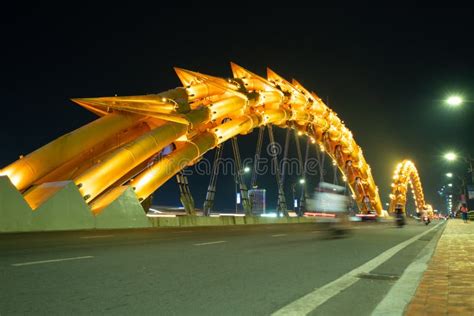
x=210, y=243
x=50, y=261
x=279, y=235
x=403, y=290
x=312, y=300
x=101, y=236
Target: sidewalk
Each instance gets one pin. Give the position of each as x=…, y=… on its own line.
x=447, y=286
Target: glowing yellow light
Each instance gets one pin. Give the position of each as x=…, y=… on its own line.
x=300, y=133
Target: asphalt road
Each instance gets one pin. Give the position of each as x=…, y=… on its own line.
x=252, y=270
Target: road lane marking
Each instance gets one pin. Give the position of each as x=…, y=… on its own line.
x=210, y=243
x=314, y=299
x=279, y=235
x=92, y=237
x=403, y=291
x=50, y=261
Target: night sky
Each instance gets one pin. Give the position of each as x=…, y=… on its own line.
x=385, y=72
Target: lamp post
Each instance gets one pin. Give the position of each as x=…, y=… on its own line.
x=302, y=207
x=238, y=193
x=463, y=183
x=451, y=156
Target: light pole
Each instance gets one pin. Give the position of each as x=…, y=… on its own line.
x=302, y=207
x=451, y=156
x=463, y=183
x=239, y=176
x=447, y=192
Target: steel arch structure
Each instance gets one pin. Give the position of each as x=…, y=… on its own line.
x=406, y=174
x=123, y=145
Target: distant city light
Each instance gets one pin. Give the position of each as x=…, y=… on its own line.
x=247, y=169
x=302, y=181
x=449, y=175
x=450, y=184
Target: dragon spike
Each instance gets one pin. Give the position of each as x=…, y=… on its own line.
x=87, y=105
x=311, y=95
x=298, y=96
x=315, y=96
x=188, y=77
x=279, y=80
x=274, y=77
x=302, y=89
x=242, y=73
x=153, y=103
x=146, y=105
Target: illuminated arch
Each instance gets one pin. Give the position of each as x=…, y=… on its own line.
x=101, y=156
x=406, y=174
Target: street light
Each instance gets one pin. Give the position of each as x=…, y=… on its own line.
x=451, y=156
x=454, y=100
x=302, y=181
x=463, y=188
x=246, y=169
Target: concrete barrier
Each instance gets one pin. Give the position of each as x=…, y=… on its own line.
x=65, y=210
x=189, y=221
x=124, y=212
x=15, y=213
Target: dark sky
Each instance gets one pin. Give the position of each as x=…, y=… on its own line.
x=385, y=73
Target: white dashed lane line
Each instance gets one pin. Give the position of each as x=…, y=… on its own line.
x=50, y=261
x=93, y=237
x=210, y=243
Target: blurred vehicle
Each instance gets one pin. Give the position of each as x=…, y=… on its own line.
x=426, y=219
x=399, y=216
x=330, y=204
x=369, y=216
